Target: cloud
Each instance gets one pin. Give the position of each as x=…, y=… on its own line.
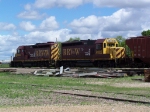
x=7, y=26
x=28, y=26
x=8, y=46
x=45, y=36
x=28, y=7
x=49, y=24
x=85, y=25
x=56, y=3
x=123, y=20
x=98, y=3
x=122, y=4
x=31, y=14
x=61, y=35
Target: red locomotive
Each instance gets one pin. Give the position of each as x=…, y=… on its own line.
x=38, y=55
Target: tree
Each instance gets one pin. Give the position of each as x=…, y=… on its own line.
x=74, y=39
x=146, y=33
x=121, y=41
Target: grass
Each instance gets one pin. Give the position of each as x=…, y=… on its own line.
x=4, y=65
x=27, y=86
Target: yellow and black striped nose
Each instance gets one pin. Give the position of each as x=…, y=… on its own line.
x=55, y=52
x=120, y=52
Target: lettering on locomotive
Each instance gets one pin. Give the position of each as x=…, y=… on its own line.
x=71, y=51
x=42, y=53
x=98, y=52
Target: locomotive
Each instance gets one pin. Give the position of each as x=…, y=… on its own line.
x=99, y=53
x=38, y=55
x=84, y=53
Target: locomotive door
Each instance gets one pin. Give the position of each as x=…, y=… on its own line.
x=99, y=48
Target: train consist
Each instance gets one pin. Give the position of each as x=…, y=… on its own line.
x=97, y=53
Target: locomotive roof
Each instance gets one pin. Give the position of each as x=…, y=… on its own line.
x=21, y=47
x=44, y=43
x=35, y=45
x=79, y=42
x=71, y=42
x=100, y=40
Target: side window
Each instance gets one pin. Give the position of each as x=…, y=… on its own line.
x=85, y=43
x=116, y=45
x=98, y=46
x=104, y=45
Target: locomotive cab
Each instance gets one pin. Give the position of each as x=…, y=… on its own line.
x=109, y=48
x=113, y=49
x=19, y=53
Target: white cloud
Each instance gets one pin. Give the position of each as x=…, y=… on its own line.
x=124, y=20
x=8, y=46
x=122, y=3
x=85, y=25
x=28, y=26
x=49, y=24
x=7, y=26
x=61, y=35
x=28, y=7
x=31, y=14
x=57, y=3
x=99, y=3
x=39, y=36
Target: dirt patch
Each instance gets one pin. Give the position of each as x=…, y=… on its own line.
x=138, y=85
x=86, y=108
x=97, y=83
x=131, y=84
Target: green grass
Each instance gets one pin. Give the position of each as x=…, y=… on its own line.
x=26, y=86
x=4, y=65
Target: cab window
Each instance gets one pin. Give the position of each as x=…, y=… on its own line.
x=18, y=51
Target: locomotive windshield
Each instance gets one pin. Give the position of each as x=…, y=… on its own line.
x=20, y=50
x=111, y=45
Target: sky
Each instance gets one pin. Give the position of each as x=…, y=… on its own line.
x=26, y=22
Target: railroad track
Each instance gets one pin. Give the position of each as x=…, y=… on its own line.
x=74, y=93
x=100, y=97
